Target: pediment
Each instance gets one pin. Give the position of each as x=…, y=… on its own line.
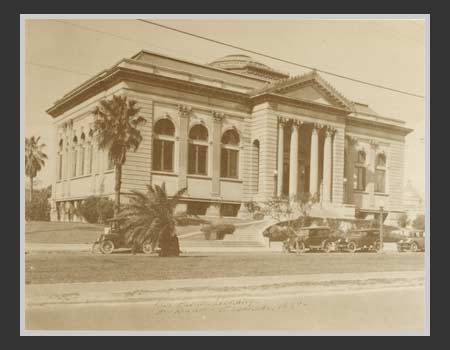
x=310, y=93
x=310, y=87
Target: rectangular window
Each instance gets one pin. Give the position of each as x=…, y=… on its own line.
x=110, y=163
x=380, y=181
x=60, y=167
x=361, y=178
x=91, y=150
x=83, y=150
x=74, y=169
x=167, y=156
x=197, y=159
x=229, y=163
x=163, y=155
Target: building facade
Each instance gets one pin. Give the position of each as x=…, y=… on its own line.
x=232, y=131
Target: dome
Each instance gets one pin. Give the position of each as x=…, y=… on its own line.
x=244, y=64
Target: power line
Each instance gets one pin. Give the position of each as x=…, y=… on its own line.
x=282, y=60
x=79, y=26
x=57, y=68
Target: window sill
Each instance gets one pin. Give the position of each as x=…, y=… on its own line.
x=360, y=191
x=198, y=176
x=229, y=179
x=166, y=173
x=109, y=171
x=383, y=194
x=80, y=177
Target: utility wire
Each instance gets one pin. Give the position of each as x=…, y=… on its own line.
x=281, y=60
x=58, y=68
x=140, y=42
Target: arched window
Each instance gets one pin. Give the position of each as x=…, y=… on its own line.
x=360, y=169
x=60, y=159
x=82, y=153
x=90, y=152
x=380, y=173
x=74, y=156
x=198, y=150
x=163, y=145
x=229, y=160
x=255, y=164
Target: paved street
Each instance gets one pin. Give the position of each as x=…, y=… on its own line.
x=381, y=310
x=363, y=301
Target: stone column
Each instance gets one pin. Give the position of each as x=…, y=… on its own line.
x=280, y=160
x=293, y=161
x=217, y=134
x=327, y=166
x=183, y=146
x=314, y=161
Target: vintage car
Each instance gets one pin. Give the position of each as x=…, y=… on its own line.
x=112, y=238
x=359, y=240
x=414, y=242
x=313, y=238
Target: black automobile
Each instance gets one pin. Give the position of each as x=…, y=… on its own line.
x=360, y=240
x=320, y=238
x=113, y=238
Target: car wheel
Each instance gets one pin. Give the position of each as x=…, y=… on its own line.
x=328, y=247
x=351, y=247
x=414, y=247
x=147, y=248
x=107, y=247
x=300, y=247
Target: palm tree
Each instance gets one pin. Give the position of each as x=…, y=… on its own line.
x=150, y=218
x=116, y=125
x=34, y=159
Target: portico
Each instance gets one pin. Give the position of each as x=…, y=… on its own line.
x=305, y=159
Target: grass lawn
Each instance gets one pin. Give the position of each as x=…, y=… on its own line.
x=61, y=232
x=77, y=232
x=72, y=232
x=85, y=267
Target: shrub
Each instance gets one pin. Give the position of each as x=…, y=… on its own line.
x=191, y=220
x=217, y=231
x=97, y=210
x=38, y=209
x=402, y=220
x=258, y=216
x=419, y=222
x=278, y=233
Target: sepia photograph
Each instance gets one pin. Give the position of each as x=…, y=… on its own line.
x=225, y=175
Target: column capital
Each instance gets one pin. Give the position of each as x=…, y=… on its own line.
x=283, y=121
x=218, y=116
x=297, y=123
x=184, y=110
x=330, y=131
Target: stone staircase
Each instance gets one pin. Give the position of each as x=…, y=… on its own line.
x=250, y=232
x=246, y=237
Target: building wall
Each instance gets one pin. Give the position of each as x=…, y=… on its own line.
x=256, y=179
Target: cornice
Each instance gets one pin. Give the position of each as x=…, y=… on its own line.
x=118, y=74
x=296, y=102
x=353, y=121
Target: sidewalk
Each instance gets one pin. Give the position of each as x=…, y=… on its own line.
x=216, y=288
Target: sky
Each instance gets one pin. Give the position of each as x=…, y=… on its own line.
x=61, y=54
